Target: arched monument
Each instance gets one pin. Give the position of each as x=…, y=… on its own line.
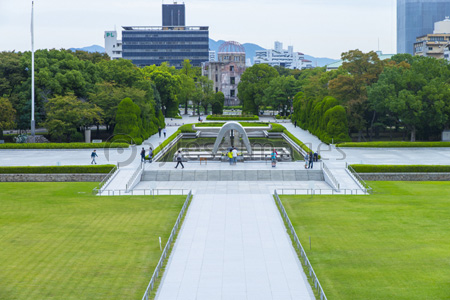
x=232, y=126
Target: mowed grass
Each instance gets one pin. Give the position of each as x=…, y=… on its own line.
x=394, y=244
x=57, y=241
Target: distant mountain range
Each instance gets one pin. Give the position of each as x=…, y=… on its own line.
x=250, y=50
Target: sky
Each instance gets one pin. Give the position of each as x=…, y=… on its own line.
x=321, y=28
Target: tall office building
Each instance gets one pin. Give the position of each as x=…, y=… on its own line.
x=173, y=15
x=416, y=18
x=173, y=42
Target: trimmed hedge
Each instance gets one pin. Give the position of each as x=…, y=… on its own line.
x=277, y=128
x=395, y=144
x=187, y=128
x=165, y=143
x=300, y=143
x=400, y=168
x=229, y=118
x=57, y=169
x=64, y=146
x=278, y=117
x=220, y=124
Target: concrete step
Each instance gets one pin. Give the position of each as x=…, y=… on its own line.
x=233, y=175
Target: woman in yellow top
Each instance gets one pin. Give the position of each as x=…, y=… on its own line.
x=230, y=156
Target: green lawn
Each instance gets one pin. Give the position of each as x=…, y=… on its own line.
x=57, y=241
x=394, y=244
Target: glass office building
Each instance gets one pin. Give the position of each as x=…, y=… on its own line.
x=173, y=15
x=153, y=45
x=416, y=18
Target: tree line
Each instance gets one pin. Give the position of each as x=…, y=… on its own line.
x=75, y=90
x=364, y=96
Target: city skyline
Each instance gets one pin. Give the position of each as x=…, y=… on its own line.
x=323, y=28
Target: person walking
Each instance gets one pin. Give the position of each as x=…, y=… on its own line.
x=316, y=157
x=164, y=131
x=143, y=155
x=311, y=160
x=150, y=154
x=295, y=124
x=93, y=156
x=159, y=131
x=230, y=156
x=235, y=155
x=274, y=158
x=179, y=159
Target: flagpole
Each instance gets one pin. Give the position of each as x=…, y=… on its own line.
x=32, y=70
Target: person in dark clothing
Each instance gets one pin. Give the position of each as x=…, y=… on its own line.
x=179, y=160
x=159, y=131
x=93, y=156
x=316, y=157
x=311, y=160
x=143, y=155
x=295, y=124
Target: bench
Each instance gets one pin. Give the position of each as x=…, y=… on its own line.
x=203, y=159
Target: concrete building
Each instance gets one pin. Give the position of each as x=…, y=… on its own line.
x=436, y=44
x=283, y=58
x=153, y=45
x=113, y=46
x=416, y=18
x=212, y=55
x=227, y=71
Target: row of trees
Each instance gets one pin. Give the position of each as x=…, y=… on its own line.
x=407, y=92
x=75, y=90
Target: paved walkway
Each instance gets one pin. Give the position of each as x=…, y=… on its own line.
x=233, y=246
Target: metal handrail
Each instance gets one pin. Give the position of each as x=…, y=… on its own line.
x=166, y=248
x=331, y=176
x=105, y=180
x=294, y=144
x=129, y=184
x=294, y=191
x=364, y=184
x=303, y=255
x=143, y=192
x=167, y=147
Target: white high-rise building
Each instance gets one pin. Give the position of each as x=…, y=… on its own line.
x=113, y=46
x=281, y=57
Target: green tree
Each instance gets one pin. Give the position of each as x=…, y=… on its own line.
x=67, y=116
x=128, y=121
x=7, y=115
x=251, y=87
x=168, y=86
x=218, y=104
x=280, y=93
x=207, y=92
x=362, y=70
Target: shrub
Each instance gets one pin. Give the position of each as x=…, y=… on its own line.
x=229, y=118
x=64, y=145
x=128, y=119
x=57, y=169
x=187, y=128
x=277, y=128
x=220, y=124
x=401, y=168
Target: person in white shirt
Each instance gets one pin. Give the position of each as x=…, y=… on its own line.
x=235, y=155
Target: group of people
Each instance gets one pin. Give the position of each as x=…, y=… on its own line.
x=310, y=158
x=150, y=155
x=232, y=155
x=164, y=131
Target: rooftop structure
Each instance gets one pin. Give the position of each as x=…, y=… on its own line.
x=173, y=14
x=435, y=44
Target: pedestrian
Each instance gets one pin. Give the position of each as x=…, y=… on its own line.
x=179, y=159
x=230, y=156
x=159, y=131
x=316, y=157
x=93, y=156
x=295, y=124
x=306, y=160
x=274, y=158
x=311, y=160
x=235, y=155
x=164, y=131
x=150, y=154
x=143, y=155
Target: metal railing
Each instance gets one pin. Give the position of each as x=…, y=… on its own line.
x=294, y=191
x=167, y=147
x=143, y=192
x=359, y=180
x=136, y=173
x=165, y=252
x=331, y=176
x=105, y=180
x=294, y=144
x=303, y=255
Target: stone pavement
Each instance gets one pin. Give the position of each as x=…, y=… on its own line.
x=233, y=246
